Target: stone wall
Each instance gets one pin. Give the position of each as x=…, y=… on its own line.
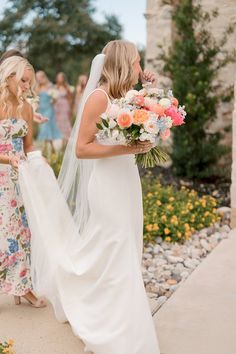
x=159, y=33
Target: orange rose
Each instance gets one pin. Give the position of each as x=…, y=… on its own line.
x=175, y=102
x=140, y=116
x=124, y=120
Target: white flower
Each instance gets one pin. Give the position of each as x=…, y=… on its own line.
x=53, y=92
x=168, y=122
x=154, y=91
x=112, y=123
x=143, y=92
x=147, y=137
x=165, y=102
x=130, y=94
x=170, y=93
x=113, y=111
x=115, y=133
x=151, y=126
x=33, y=101
x=149, y=101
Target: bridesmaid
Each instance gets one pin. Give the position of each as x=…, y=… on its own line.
x=16, y=121
x=79, y=90
x=47, y=96
x=38, y=118
x=63, y=106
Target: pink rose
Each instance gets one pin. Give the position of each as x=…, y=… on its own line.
x=124, y=120
x=139, y=100
x=13, y=203
x=176, y=117
x=165, y=135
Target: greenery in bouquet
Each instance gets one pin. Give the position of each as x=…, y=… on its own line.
x=175, y=215
x=144, y=115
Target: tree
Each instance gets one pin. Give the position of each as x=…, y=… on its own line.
x=56, y=35
x=193, y=64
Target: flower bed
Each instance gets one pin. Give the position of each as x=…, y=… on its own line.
x=7, y=347
x=175, y=215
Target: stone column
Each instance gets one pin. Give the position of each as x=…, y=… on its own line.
x=233, y=176
x=159, y=36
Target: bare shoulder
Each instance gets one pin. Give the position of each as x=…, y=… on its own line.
x=27, y=111
x=97, y=101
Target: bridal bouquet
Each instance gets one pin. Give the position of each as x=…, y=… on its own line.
x=145, y=115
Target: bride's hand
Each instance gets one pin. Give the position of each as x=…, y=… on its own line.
x=140, y=147
x=149, y=76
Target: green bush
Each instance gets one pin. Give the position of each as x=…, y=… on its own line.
x=193, y=64
x=173, y=214
x=7, y=347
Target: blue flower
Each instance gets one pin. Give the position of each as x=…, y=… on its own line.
x=24, y=219
x=17, y=144
x=14, y=247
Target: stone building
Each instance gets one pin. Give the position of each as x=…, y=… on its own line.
x=160, y=32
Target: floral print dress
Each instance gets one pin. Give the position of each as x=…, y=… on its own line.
x=14, y=231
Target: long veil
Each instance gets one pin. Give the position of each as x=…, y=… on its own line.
x=74, y=174
x=56, y=213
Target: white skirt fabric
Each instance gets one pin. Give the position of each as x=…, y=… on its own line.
x=93, y=280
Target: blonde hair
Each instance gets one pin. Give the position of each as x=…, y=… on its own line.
x=11, y=66
x=117, y=72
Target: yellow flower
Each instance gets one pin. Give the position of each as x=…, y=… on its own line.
x=149, y=227
x=163, y=218
x=169, y=207
x=168, y=239
x=179, y=235
x=149, y=195
x=171, y=199
x=187, y=227
x=187, y=234
x=155, y=227
x=10, y=342
x=166, y=231
x=158, y=202
x=206, y=213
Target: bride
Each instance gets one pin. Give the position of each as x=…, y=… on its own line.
x=90, y=269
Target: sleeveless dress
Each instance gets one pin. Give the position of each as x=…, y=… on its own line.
x=48, y=130
x=98, y=285
x=14, y=232
x=62, y=113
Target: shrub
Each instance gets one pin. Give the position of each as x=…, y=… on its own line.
x=7, y=347
x=175, y=214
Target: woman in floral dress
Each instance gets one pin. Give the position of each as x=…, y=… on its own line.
x=16, y=130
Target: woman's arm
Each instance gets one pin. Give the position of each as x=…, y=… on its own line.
x=28, y=116
x=87, y=147
x=5, y=159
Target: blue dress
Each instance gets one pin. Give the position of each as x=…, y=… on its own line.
x=48, y=130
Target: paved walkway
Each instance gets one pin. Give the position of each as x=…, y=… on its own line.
x=200, y=318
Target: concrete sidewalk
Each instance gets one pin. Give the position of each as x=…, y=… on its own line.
x=35, y=331
x=200, y=318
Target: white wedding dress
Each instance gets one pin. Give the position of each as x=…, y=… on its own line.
x=93, y=280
